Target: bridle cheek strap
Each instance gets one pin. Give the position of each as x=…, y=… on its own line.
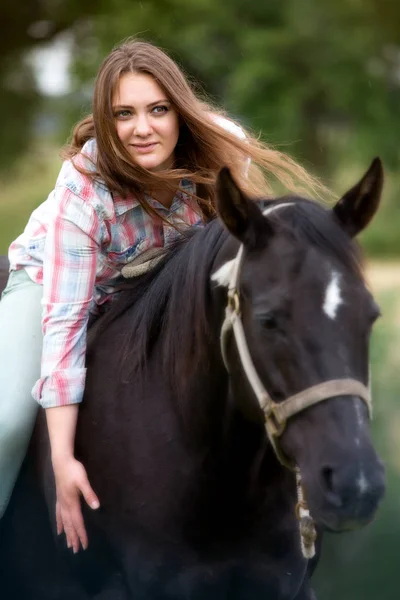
x=276, y=415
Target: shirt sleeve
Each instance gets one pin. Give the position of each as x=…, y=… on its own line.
x=69, y=272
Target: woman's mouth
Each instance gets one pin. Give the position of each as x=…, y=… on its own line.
x=144, y=148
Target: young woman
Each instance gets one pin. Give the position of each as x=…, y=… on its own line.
x=138, y=171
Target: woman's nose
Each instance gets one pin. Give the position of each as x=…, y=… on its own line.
x=142, y=126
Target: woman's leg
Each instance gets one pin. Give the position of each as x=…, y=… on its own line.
x=20, y=356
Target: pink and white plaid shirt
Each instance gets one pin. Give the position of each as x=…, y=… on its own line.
x=75, y=245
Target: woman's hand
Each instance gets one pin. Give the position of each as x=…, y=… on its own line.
x=71, y=483
x=70, y=475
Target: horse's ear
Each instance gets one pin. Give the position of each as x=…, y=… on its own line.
x=358, y=206
x=240, y=215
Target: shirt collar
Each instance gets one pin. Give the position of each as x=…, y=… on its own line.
x=186, y=189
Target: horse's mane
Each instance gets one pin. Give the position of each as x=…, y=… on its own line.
x=170, y=299
x=172, y=302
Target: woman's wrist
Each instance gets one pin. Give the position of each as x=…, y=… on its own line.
x=60, y=458
x=61, y=424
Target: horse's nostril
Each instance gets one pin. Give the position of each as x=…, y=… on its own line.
x=328, y=482
x=327, y=476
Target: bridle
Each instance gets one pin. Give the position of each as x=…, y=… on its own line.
x=276, y=414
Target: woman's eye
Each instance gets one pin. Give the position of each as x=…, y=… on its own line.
x=159, y=110
x=122, y=114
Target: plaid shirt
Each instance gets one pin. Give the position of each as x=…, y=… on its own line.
x=75, y=245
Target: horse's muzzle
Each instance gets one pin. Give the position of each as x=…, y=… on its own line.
x=347, y=497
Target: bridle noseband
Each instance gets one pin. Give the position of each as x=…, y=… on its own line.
x=276, y=415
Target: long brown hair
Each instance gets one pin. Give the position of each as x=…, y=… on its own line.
x=203, y=147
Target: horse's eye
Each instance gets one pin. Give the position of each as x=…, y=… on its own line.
x=268, y=321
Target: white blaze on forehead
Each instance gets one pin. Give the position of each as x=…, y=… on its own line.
x=224, y=274
x=333, y=298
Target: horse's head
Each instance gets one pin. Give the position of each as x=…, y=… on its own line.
x=307, y=316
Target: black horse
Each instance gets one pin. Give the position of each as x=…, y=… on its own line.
x=195, y=503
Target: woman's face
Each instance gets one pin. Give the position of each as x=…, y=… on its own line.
x=146, y=122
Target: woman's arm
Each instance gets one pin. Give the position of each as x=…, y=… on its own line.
x=69, y=270
x=70, y=259
x=61, y=423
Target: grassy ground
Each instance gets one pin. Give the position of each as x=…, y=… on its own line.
x=23, y=188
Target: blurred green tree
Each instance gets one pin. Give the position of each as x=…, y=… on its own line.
x=24, y=26
x=320, y=80
x=316, y=76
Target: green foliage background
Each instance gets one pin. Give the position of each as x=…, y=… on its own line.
x=321, y=80
x=318, y=79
